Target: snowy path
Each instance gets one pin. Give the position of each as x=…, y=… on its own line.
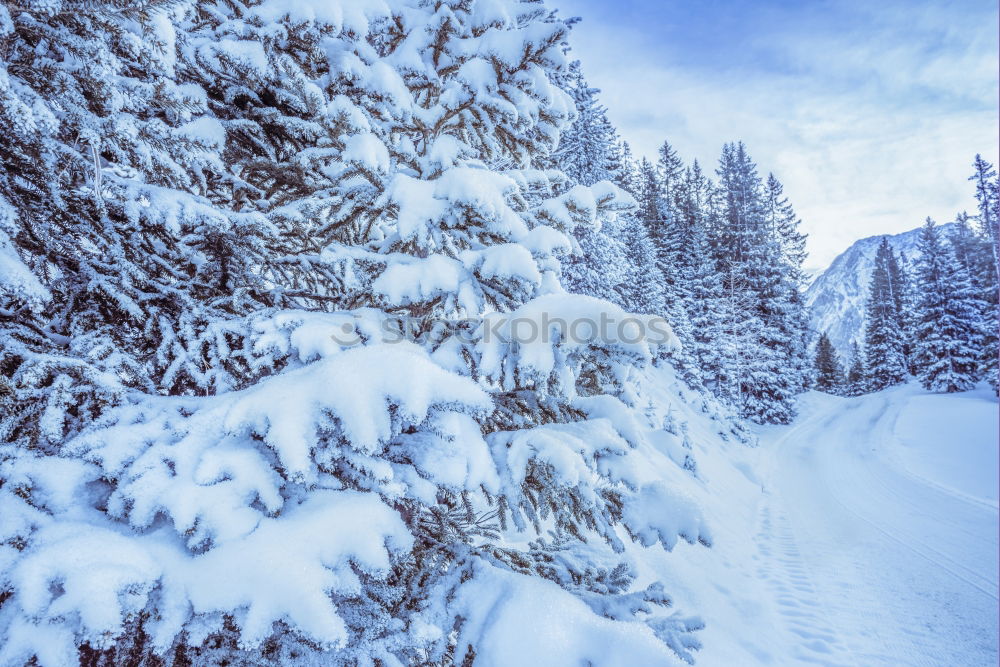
x=877, y=531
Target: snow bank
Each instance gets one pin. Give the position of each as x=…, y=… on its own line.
x=515, y=620
x=284, y=571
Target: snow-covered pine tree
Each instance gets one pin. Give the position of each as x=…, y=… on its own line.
x=973, y=251
x=653, y=207
x=986, y=271
x=885, y=361
x=670, y=232
x=901, y=287
x=855, y=383
x=736, y=339
x=784, y=225
x=988, y=199
x=749, y=256
x=657, y=208
x=694, y=197
x=602, y=266
x=338, y=497
x=587, y=154
x=643, y=289
x=598, y=267
x=676, y=236
x=949, y=323
x=828, y=373
x=671, y=170
x=792, y=315
x=657, y=214
x=627, y=171
x=113, y=206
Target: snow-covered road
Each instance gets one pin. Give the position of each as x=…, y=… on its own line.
x=877, y=530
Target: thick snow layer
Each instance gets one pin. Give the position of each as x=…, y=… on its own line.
x=208, y=131
x=873, y=551
x=865, y=533
x=15, y=277
x=957, y=450
x=421, y=280
x=347, y=15
x=514, y=620
x=367, y=150
x=282, y=571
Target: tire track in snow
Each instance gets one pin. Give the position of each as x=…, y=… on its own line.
x=864, y=559
x=885, y=420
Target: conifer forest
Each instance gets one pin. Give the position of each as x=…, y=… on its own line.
x=365, y=333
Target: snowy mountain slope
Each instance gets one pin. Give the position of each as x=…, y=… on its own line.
x=836, y=298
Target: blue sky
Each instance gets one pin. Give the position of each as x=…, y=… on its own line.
x=870, y=112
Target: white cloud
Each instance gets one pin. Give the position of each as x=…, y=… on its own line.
x=871, y=129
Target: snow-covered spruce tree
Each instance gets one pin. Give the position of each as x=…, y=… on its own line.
x=671, y=235
x=855, y=384
x=671, y=170
x=627, y=170
x=587, y=154
x=885, y=360
x=901, y=287
x=973, y=252
x=693, y=197
x=587, y=148
x=601, y=267
x=984, y=256
x=949, y=324
x=117, y=240
x=735, y=337
x=336, y=496
x=653, y=206
x=789, y=293
x=656, y=213
x=643, y=289
x=988, y=199
x=828, y=373
x=666, y=228
x=763, y=332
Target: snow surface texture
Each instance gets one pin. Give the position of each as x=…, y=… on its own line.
x=836, y=298
x=865, y=533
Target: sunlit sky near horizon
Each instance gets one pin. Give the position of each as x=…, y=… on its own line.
x=870, y=113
